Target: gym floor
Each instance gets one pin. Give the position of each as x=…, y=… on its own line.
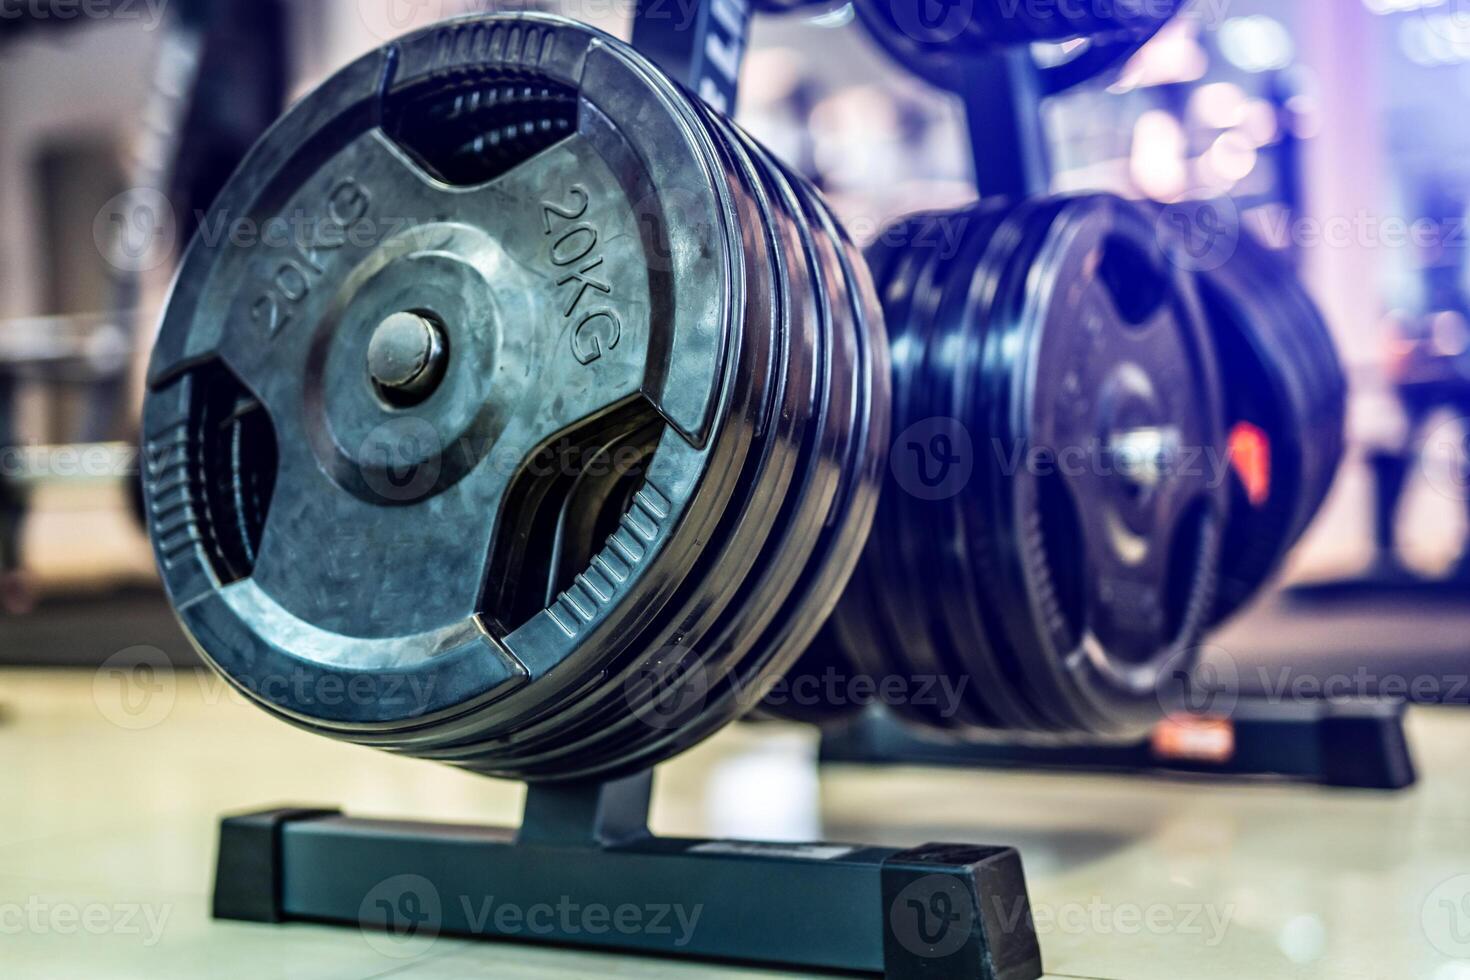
x=108, y=811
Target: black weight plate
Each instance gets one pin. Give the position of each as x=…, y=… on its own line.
x=830, y=657
x=939, y=43
x=898, y=644
x=970, y=534
x=610, y=275
x=1113, y=365
x=859, y=474
x=812, y=500
x=956, y=315
x=1283, y=381
x=903, y=537
x=1072, y=570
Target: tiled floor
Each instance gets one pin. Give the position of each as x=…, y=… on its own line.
x=107, y=814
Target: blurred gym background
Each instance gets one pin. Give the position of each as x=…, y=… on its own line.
x=1335, y=127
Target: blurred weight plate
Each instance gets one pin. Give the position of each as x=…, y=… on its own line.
x=1048, y=538
x=939, y=43
x=1286, y=405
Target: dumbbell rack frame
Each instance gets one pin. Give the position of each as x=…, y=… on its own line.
x=1353, y=744
x=810, y=906
x=940, y=911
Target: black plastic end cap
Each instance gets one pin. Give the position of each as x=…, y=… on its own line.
x=247, y=878
x=958, y=911
x=1364, y=746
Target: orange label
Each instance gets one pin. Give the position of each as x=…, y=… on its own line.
x=1250, y=454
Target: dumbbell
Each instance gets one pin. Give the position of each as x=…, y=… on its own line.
x=1049, y=534
x=529, y=418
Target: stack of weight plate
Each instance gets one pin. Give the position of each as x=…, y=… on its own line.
x=532, y=422
x=1048, y=538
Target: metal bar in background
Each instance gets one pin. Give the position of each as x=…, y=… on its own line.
x=700, y=45
x=1003, y=96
